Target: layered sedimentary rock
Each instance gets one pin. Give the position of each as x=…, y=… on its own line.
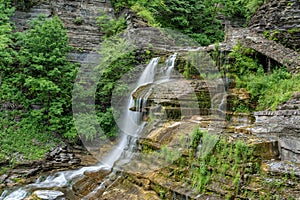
x=80, y=20
x=283, y=123
x=282, y=17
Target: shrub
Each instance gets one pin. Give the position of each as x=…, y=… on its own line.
x=110, y=26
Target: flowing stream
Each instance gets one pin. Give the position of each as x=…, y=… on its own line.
x=131, y=126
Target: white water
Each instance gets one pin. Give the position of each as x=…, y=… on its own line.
x=168, y=68
x=131, y=123
x=131, y=126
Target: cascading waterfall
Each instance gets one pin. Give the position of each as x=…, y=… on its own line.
x=134, y=124
x=131, y=126
x=170, y=63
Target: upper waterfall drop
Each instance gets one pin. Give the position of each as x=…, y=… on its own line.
x=170, y=65
x=166, y=70
x=130, y=121
x=149, y=73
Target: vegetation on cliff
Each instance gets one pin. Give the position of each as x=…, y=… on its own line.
x=269, y=84
x=36, y=86
x=201, y=20
x=221, y=167
x=36, y=81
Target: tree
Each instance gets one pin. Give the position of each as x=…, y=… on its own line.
x=44, y=76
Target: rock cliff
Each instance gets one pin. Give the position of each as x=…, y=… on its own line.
x=276, y=133
x=282, y=19
x=79, y=18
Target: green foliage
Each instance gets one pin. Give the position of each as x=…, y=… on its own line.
x=36, y=85
x=243, y=61
x=272, y=35
x=145, y=13
x=24, y=139
x=198, y=19
x=268, y=90
x=107, y=122
x=110, y=26
x=47, y=76
x=78, y=21
x=6, y=44
x=169, y=155
x=271, y=90
x=196, y=136
x=223, y=160
x=241, y=8
x=149, y=6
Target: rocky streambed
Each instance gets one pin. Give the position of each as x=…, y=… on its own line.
x=155, y=173
x=233, y=156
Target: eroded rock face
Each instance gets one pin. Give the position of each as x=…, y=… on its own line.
x=182, y=98
x=282, y=16
x=284, y=123
x=80, y=20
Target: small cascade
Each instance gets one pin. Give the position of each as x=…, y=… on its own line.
x=149, y=73
x=166, y=71
x=18, y=194
x=131, y=122
x=223, y=104
x=170, y=63
x=141, y=104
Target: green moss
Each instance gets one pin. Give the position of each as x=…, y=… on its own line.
x=293, y=30
x=78, y=21
x=161, y=191
x=110, y=26
x=3, y=170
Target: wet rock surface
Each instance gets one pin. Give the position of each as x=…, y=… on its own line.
x=49, y=195
x=59, y=158
x=275, y=133
x=270, y=48
x=181, y=98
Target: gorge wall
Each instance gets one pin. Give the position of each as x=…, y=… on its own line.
x=79, y=18
x=279, y=19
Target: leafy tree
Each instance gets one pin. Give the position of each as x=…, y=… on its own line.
x=49, y=76
x=6, y=43
x=21, y=135
x=42, y=81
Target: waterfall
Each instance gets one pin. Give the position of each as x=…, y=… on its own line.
x=131, y=126
x=149, y=73
x=170, y=63
x=130, y=123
